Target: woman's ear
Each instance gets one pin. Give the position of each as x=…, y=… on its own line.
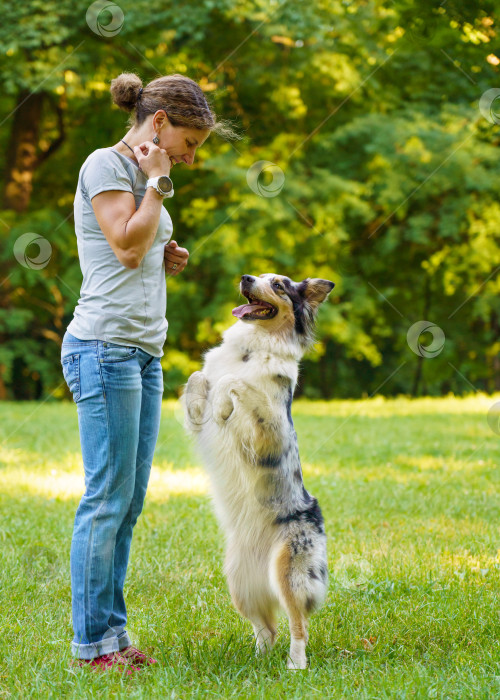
x=160, y=118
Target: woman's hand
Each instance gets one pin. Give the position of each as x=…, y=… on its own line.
x=176, y=256
x=153, y=161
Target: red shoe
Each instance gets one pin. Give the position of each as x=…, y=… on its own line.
x=137, y=657
x=107, y=661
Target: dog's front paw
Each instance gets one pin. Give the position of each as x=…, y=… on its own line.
x=222, y=401
x=223, y=407
x=195, y=399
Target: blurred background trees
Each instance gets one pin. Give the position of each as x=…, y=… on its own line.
x=390, y=180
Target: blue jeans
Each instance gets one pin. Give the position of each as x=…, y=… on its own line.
x=118, y=392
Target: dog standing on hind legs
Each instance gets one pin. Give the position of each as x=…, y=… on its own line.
x=239, y=409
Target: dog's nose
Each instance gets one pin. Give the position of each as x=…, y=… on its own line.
x=247, y=278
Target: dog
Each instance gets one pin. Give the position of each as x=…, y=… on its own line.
x=239, y=409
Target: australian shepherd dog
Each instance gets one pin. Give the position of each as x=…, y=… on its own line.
x=239, y=409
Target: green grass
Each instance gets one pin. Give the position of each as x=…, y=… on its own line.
x=410, y=494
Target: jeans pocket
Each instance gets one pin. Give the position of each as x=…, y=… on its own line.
x=71, y=372
x=112, y=352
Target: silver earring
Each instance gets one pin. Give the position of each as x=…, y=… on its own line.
x=156, y=140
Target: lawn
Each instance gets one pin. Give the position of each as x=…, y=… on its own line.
x=410, y=494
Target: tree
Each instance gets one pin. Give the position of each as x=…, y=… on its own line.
x=388, y=184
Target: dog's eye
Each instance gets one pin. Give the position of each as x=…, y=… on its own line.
x=277, y=285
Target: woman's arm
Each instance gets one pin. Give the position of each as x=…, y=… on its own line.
x=129, y=231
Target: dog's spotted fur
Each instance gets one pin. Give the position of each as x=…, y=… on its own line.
x=239, y=408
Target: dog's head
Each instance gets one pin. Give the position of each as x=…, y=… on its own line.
x=280, y=305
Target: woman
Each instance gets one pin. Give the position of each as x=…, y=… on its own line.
x=112, y=348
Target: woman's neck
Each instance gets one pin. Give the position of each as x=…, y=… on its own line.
x=132, y=138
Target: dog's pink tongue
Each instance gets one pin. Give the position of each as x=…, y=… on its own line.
x=245, y=309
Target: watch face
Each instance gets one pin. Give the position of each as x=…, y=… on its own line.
x=165, y=183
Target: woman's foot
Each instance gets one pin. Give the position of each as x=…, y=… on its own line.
x=106, y=662
x=137, y=657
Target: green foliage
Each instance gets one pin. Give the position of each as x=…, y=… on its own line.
x=391, y=179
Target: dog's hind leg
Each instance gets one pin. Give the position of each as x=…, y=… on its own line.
x=295, y=609
x=263, y=623
x=264, y=630
x=261, y=615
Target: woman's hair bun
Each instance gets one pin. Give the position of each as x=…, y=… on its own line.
x=125, y=90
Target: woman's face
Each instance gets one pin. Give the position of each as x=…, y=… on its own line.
x=180, y=142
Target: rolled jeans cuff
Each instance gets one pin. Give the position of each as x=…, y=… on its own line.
x=105, y=646
x=123, y=640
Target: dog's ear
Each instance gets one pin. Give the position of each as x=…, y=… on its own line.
x=315, y=290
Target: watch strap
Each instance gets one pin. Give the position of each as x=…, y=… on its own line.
x=153, y=182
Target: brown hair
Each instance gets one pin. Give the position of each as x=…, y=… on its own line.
x=182, y=99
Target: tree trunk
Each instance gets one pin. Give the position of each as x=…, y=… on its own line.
x=3, y=388
x=22, y=154
x=417, y=377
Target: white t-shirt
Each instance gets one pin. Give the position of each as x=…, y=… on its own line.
x=116, y=303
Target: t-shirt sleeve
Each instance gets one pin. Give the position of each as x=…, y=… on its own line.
x=103, y=172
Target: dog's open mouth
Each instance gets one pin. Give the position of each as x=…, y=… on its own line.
x=255, y=309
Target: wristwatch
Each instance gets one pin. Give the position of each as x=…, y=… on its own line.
x=162, y=184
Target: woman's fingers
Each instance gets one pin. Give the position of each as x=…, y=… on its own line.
x=170, y=270
x=179, y=252
x=151, y=158
x=176, y=254
x=176, y=258
x=147, y=146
